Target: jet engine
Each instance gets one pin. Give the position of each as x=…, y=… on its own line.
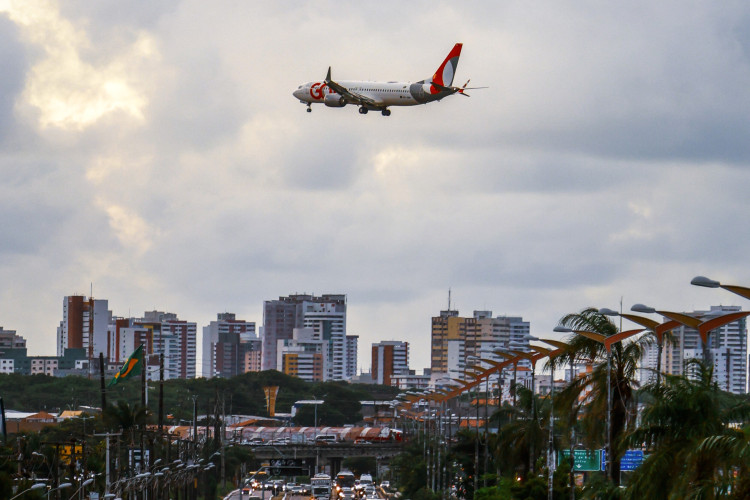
x=334, y=101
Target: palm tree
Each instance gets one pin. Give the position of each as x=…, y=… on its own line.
x=622, y=382
x=695, y=448
x=522, y=433
x=125, y=417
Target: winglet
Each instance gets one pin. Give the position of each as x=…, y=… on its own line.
x=328, y=76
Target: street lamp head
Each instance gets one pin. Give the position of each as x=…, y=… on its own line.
x=88, y=481
x=36, y=486
x=641, y=308
x=608, y=312
x=562, y=329
x=529, y=337
x=706, y=282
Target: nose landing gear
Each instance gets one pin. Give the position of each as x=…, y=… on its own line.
x=309, y=109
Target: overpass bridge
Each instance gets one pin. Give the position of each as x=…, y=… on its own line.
x=328, y=454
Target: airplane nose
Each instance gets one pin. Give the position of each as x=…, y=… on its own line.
x=298, y=93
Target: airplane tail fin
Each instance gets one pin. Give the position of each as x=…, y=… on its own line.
x=444, y=74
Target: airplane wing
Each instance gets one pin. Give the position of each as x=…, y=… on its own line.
x=352, y=97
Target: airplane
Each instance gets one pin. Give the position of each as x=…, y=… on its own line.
x=378, y=96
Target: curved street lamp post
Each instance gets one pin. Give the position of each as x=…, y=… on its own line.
x=34, y=487
x=704, y=326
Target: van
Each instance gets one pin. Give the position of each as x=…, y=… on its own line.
x=325, y=439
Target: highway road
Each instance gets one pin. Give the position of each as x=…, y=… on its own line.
x=255, y=495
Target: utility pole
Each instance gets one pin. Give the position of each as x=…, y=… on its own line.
x=195, y=428
x=107, y=478
x=144, y=404
x=101, y=381
x=161, y=394
x=223, y=435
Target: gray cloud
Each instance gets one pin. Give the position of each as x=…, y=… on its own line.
x=607, y=159
x=13, y=61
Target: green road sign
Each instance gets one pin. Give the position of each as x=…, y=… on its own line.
x=583, y=460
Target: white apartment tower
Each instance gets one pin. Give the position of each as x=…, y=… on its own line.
x=328, y=322
x=727, y=351
x=324, y=315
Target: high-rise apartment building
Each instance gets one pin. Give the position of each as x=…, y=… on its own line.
x=304, y=356
x=178, y=343
x=85, y=325
x=159, y=333
x=230, y=347
x=352, y=344
x=727, y=351
x=458, y=342
x=456, y=339
x=389, y=358
x=325, y=315
x=10, y=343
x=280, y=318
x=9, y=339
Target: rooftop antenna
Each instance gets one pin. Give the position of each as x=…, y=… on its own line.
x=449, y=298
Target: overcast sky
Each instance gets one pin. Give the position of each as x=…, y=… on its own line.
x=154, y=149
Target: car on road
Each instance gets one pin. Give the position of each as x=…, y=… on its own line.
x=369, y=492
x=325, y=439
x=385, y=485
x=347, y=494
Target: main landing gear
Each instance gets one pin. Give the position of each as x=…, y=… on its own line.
x=363, y=111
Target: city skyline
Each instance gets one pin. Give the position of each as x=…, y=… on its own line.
x=156, y=151
x=457, y=341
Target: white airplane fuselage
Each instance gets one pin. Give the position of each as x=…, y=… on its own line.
x=381, y=95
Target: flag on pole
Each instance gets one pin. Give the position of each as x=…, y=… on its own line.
x=132, y=366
